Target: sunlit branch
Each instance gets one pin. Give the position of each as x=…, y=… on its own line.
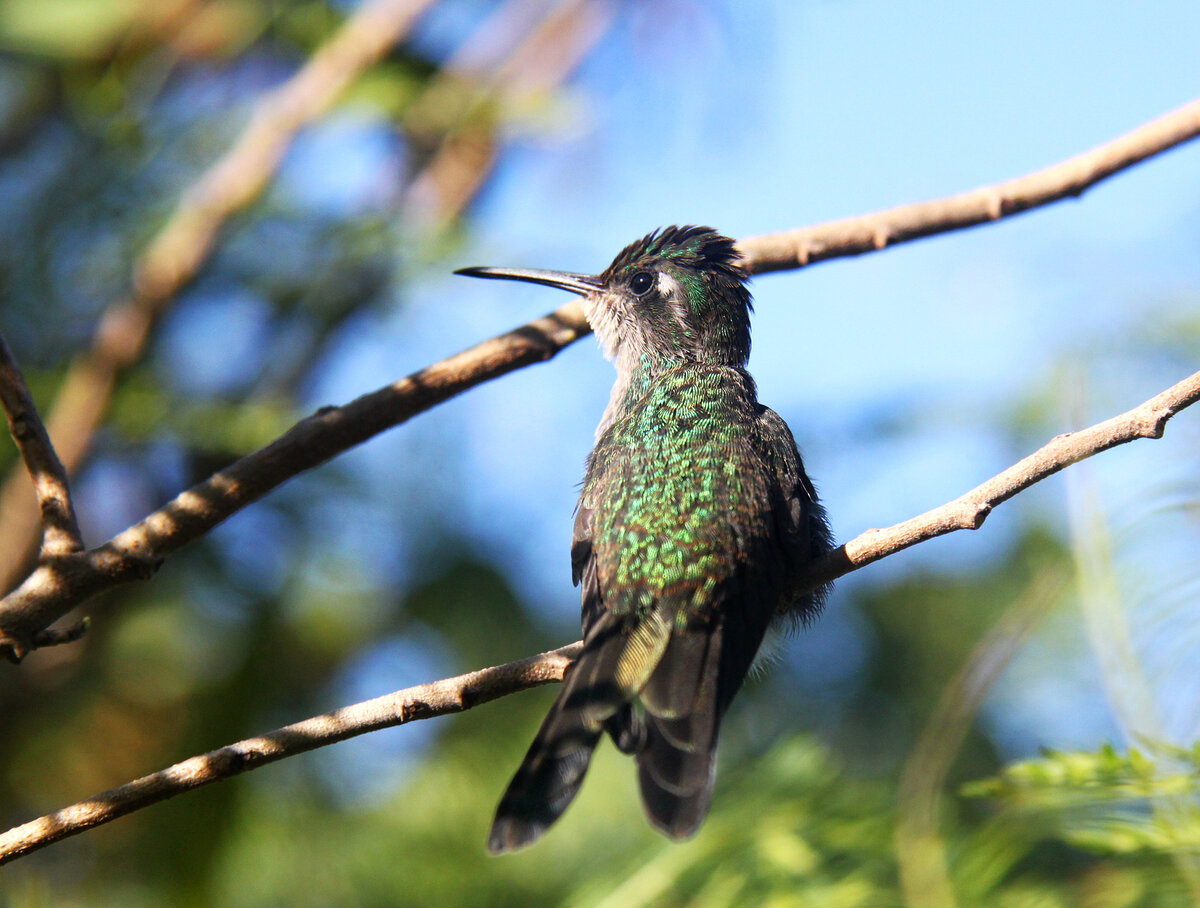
x=968, y=512
x=54, y=589
x=60, y=531
x=457, y=694
x=425, y=701
x=1071, y=178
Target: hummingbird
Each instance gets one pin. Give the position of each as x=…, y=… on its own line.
x=695, y=521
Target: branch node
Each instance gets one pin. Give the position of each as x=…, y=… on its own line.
x=235, y=761
x=143, y=567
x=57, y=636
x=994, y=205
x=13, y=649
x=966, y=515
x=466, y=698
x=1157, y=427
x=981, y=513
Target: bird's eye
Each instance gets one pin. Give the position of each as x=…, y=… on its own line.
x=641, y=283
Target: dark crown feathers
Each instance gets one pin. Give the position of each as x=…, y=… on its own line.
x=699, y=248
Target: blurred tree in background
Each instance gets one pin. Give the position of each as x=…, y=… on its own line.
x=875, y=763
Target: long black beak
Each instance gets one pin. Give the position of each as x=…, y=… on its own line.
x=583, y=284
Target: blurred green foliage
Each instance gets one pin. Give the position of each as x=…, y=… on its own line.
x=108, y=110
x=1060, y=777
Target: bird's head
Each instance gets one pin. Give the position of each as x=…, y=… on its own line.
x=676, y=295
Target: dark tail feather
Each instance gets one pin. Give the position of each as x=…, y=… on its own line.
x=677, y=765
x=685, y=699
x=549, y=777
x=686, y=681
x=627, y=729
x=677, y=770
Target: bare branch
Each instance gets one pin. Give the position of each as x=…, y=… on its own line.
x=969, y=511
x=185, y=241
x=872, y=232
x=52, y=590
x=57, y=636
x=423, y=702
x=60, y=530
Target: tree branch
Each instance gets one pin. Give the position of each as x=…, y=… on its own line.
x=60, y=530
x=872, y=232
x=426, y=701
x=53, y=590
x=184, y=243
x=456, y=694
x=968, y=512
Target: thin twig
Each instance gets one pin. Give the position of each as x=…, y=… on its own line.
x=186, y=240
x=455, y=694
x=53, y=589
x=60, y=530
x=969, y=511
x=57, y=636
x=872, y=232
x=426, y=701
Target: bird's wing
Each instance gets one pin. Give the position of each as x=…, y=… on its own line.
x=624, y=725
x=800, y=519
x=583, y=567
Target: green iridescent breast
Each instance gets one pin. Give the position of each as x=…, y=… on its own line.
x=680, y=494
